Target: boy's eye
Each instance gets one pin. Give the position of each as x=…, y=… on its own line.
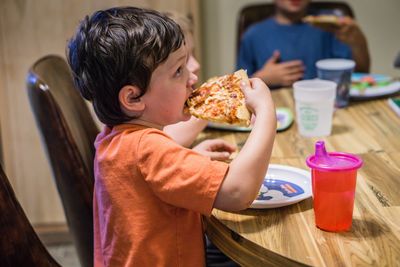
x=179, y=71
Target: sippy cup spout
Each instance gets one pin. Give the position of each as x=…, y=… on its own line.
x=332, y=161
x=320, y=150
x=321, y=156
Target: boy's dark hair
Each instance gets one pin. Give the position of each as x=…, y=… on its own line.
x=117, y=47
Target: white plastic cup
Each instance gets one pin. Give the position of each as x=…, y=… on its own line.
x=338, y=70
x=314, y=100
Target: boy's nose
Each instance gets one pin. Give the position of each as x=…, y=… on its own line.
x=192, y=79
x=193, y=65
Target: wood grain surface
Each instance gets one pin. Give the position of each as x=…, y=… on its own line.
x=288, y=236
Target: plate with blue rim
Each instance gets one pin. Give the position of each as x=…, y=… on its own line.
x=282, y=186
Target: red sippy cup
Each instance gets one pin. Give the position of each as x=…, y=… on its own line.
x=333, y=184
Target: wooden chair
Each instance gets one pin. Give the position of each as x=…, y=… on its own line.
x=19, y=244
x=68, y=132
x=251, y=14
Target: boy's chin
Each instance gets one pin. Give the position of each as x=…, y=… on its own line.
x=186, y=116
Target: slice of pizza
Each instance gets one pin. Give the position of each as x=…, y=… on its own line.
x=221, y=100
x=322, y=20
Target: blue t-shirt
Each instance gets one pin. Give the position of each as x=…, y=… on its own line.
x=299, y=41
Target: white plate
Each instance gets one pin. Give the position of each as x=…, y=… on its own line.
x=284, y=118
x=375, y=91
x=286, y=186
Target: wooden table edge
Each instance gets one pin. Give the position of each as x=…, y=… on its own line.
x=251, y=254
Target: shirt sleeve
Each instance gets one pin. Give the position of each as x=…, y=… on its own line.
x=245, y=57
x=179, y=176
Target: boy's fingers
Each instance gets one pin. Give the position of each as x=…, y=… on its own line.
x=245, y=86
x=292, y=64
x=223, y=145
x=219, y=155
x=256, y=82
x=274, y=58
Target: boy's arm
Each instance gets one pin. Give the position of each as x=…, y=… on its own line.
x=184, y=133
x=351, y=34
x=248, y=169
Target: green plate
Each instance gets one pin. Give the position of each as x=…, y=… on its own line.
x=284, y=116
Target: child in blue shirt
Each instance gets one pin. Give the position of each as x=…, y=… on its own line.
x=283, y=49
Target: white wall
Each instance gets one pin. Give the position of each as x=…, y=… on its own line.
x=29, y=30
x=380, y=21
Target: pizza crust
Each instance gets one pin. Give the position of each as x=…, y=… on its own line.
x=321, y=20
x=242, y=112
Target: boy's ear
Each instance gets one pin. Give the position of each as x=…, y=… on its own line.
x=129, y=100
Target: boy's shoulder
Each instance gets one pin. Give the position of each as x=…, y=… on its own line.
x=128, y=128
x=261, y=26
x=123, y=133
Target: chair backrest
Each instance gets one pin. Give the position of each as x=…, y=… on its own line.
x=396, y=62
x=68, y=132
x=253, y=13
x=19, y=244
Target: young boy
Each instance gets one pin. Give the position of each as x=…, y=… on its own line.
x=149, y=191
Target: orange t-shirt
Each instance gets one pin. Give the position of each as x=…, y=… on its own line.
x=148, y=196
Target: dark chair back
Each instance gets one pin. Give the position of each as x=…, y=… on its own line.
x=251, y=14
x=68, y=132
x=396, y=62
x=19, y=244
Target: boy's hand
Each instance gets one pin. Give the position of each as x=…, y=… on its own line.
x=284, y=74
x=216, y=149
x=347, y=31
x=350, y=33
x=258, y=96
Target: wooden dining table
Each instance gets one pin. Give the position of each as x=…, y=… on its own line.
x=287, y=236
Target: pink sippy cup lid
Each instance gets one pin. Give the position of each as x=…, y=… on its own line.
x=332, y=161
